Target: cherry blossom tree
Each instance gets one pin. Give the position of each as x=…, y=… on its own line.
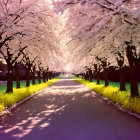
x=24, y=24
x=91, y=26
x=89, y=35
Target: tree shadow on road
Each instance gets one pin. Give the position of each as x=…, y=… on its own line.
x=66, y=113
x=41, y=116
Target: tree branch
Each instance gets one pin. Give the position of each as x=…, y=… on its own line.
x=110, y=2
x=104, y=6
x=19, y=53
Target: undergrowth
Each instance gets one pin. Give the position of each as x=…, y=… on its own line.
x=122, y=97
x=8, y=99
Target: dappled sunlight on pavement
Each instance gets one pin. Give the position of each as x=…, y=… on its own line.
x=67, y=110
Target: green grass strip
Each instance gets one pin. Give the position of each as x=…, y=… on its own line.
x=122, y=97
x=22, y=84
x=117, y=84
x=8, y=99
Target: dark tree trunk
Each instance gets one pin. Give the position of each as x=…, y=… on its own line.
x=90, y=76
x=50, y=75
x=82, y=76
x=122, y=80
x=86, y=75
x=39, y=77
x=133, y=62
x=47, y=76
x=106, y=77
x=27, y=77
x=9, y=79
x=53, y=74
x=98, y=77
x=17, y=70
x=44, y=77
x=33, y=77
x=134, y=82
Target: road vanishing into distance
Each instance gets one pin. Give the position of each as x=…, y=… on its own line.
x=68, y=110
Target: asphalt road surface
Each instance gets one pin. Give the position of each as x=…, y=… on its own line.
x=67, y=110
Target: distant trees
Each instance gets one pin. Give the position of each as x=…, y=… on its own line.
x=26, y=32
x=92, y=26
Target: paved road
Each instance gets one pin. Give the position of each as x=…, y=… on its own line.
x=68, y=110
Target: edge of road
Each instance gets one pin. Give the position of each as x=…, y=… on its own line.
x=14, y=106
x=117, y=105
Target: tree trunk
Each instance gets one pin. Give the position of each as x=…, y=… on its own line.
x=50, y=75
x=53, y=74
x=133, y=62
x=122, y=80
x=47, y=76
x=134, y=82
x=93, y=75
x=27, y=77
x=33, y=78
x=85, y=76
x=9, y=79
x=44, y=77
x=39, y=77
x=106, y=77
x=82, y=76
x=17, y=70
x=98, y=77
x=90, y=76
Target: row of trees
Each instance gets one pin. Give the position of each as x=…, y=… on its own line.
x=102, y=65
x=103, y=33
x=27, y=38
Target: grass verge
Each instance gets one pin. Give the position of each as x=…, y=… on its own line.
x=22, y=84
x=117, y=84
x=122, y=97
x=8, y=99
